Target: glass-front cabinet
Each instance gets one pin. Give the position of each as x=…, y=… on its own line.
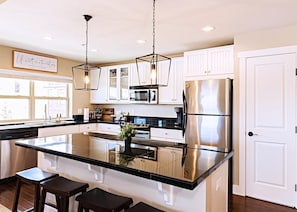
x=118, y=83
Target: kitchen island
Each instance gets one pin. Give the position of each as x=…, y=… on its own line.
x=177, y=179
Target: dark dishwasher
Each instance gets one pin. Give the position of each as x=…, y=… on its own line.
x=12, y=157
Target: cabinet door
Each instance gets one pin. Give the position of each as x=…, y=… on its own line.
x=195, y=63
x=123, y=84
x=220, y=60
x=170, y=162
x=118, y=83
x=100, y=96
x=142, y=77
x=172, y=94
x=113, y=83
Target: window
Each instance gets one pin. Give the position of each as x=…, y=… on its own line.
x=25, y=99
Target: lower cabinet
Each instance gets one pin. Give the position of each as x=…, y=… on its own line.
x=171, y=135
x=62, y=130
x=111, y=129
x=174, y=168
x=143, y=164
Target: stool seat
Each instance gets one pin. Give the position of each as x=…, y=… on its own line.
x=35, y=175
x=143, y=207
x=32, y=176
x=62, y=188
x=100, y=200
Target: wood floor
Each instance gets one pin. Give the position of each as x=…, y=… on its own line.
x=238, y=203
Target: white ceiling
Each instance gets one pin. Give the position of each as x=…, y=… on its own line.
x=117, y=25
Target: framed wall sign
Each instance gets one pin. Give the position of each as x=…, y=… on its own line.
x=31, y=61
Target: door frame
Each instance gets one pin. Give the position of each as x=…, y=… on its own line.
x=240, y=189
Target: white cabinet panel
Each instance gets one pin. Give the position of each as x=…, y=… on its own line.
x=87, y=127
x=170, y=135
x=118, y=83
x=209, y=62
x=112, y=129
x=51, y=131
x=100, y=96
x=172, y=94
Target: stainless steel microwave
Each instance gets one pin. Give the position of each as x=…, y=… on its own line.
x=143, y=94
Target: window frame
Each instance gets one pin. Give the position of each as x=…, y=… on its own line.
x=32, y=77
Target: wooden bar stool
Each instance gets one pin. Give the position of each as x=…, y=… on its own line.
x=143, y=207
x=62, y=188
x=32, y=176
x=99, y=200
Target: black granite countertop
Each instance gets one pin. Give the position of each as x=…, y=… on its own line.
x=186, y=169
x=53, y=123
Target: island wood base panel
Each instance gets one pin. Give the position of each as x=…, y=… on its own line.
x=160, y=195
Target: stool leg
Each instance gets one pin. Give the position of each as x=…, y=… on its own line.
x=17, y=195
x=58, y=201
x=42, y=200
x=37, y=197
x=80, y=208
x=64, y=204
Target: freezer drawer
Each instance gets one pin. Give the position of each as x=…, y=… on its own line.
x=208, y=132
x=14, y=158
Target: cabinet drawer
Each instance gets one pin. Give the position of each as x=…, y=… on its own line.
x=167, y=135
x=112, y=129
x=87, y=127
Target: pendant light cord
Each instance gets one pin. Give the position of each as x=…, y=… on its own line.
x=154, y=33
x=87, y=42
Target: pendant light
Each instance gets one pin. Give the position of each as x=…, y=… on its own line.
x=155, y=65
x=86, y=76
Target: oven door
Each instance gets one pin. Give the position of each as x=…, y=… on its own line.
x=139, y=96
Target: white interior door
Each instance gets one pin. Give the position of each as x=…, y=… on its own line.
x=270, y=128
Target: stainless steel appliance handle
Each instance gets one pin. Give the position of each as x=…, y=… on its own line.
x=184, y=126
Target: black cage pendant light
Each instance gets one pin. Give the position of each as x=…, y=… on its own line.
x=155, y=65
x=86, y=76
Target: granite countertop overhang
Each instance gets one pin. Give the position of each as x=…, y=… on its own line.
x=191, y=166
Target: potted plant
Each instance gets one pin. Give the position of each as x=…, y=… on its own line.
x=127, y=132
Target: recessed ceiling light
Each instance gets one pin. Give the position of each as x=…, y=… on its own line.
x=47, y=38
x=208, y=28
x=93, y=50
x=140, y=41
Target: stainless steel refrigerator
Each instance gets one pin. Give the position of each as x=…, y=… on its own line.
x=208, y=114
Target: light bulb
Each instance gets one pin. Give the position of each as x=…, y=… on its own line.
x=153, y=74
x=87, y=79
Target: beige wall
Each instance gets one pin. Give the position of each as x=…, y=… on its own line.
x=80, y=98
x=272, y=38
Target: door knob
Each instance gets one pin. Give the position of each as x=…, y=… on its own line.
x=251, y=134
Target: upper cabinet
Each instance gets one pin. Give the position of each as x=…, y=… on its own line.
x=209, y=62
x=100, y=96
x=118, y=81
x=172, y=94
x=144, y=75
x=113, y=85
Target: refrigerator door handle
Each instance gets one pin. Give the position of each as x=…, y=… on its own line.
x=185, y=113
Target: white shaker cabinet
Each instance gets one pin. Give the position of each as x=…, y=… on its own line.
x=139, y=78
x=118, y=83
x=212, y=62
x=170, y=135
x=172, y=94
x=170, y=161
x=100, y=96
